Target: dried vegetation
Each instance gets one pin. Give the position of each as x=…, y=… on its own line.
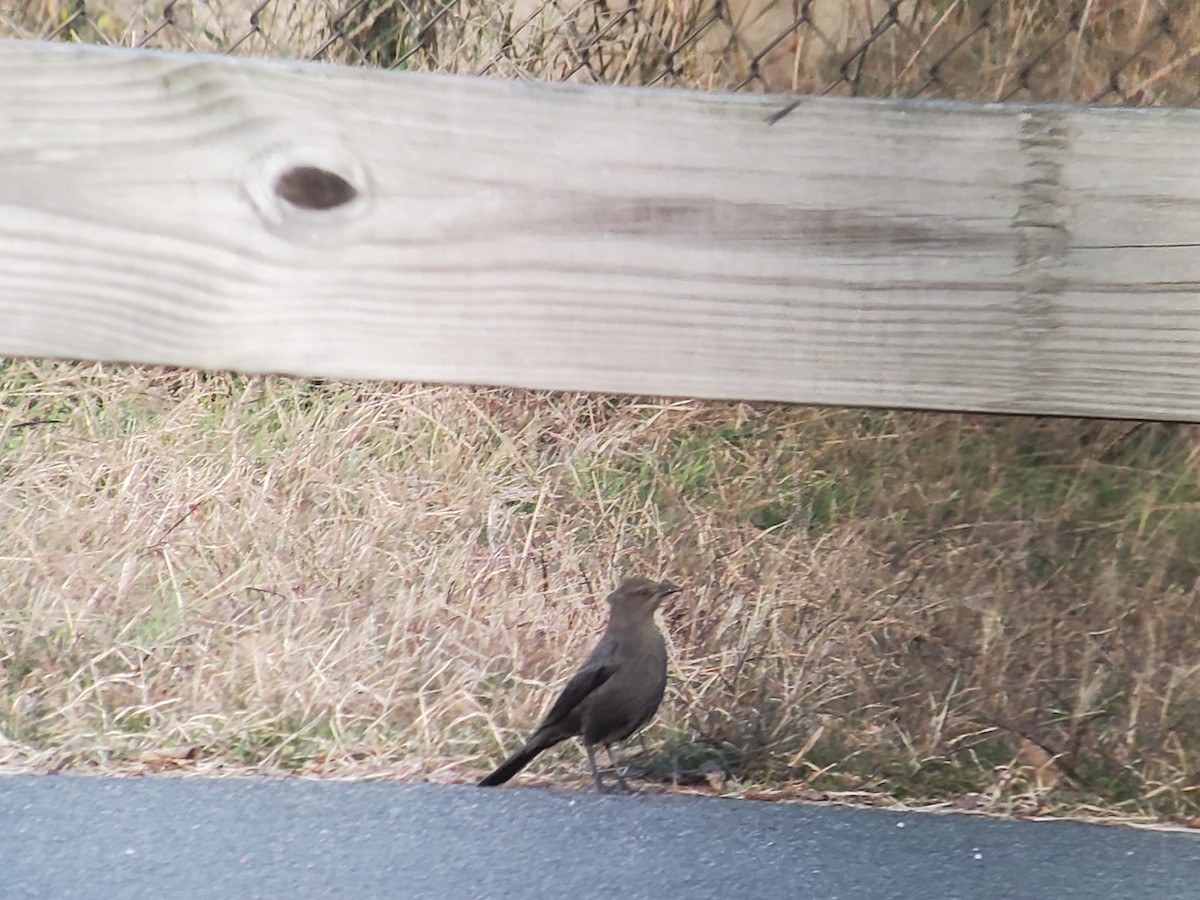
x=214, y=573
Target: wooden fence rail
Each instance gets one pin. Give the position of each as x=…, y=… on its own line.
x=309, y=219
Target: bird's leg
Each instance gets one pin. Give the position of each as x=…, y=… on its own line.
x=591, y=752
x=612, y=758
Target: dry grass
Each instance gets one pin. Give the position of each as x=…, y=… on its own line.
x=218, y=572
x=212, y=573
x=1113, y=51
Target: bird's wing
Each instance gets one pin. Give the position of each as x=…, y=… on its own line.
x=587, y=679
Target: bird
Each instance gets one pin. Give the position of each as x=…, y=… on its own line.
x=616, y=691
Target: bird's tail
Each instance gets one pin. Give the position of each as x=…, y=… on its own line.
x=521, y=758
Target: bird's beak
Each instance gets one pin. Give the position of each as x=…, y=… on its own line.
x=666, y=589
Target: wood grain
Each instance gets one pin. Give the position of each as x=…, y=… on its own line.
x=309, y=219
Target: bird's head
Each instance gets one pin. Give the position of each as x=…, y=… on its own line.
x=640, y=595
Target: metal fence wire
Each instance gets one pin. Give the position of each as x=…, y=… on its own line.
x=1140, y=52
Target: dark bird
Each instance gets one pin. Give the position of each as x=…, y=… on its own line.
x=617, y=689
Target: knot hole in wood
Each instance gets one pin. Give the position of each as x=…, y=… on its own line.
x=311, y=187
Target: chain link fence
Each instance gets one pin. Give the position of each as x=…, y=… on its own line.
x=1138, y=52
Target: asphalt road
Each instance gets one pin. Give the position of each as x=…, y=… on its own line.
x=64, y=836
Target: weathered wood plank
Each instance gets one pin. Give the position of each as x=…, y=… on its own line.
x=953, y=256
